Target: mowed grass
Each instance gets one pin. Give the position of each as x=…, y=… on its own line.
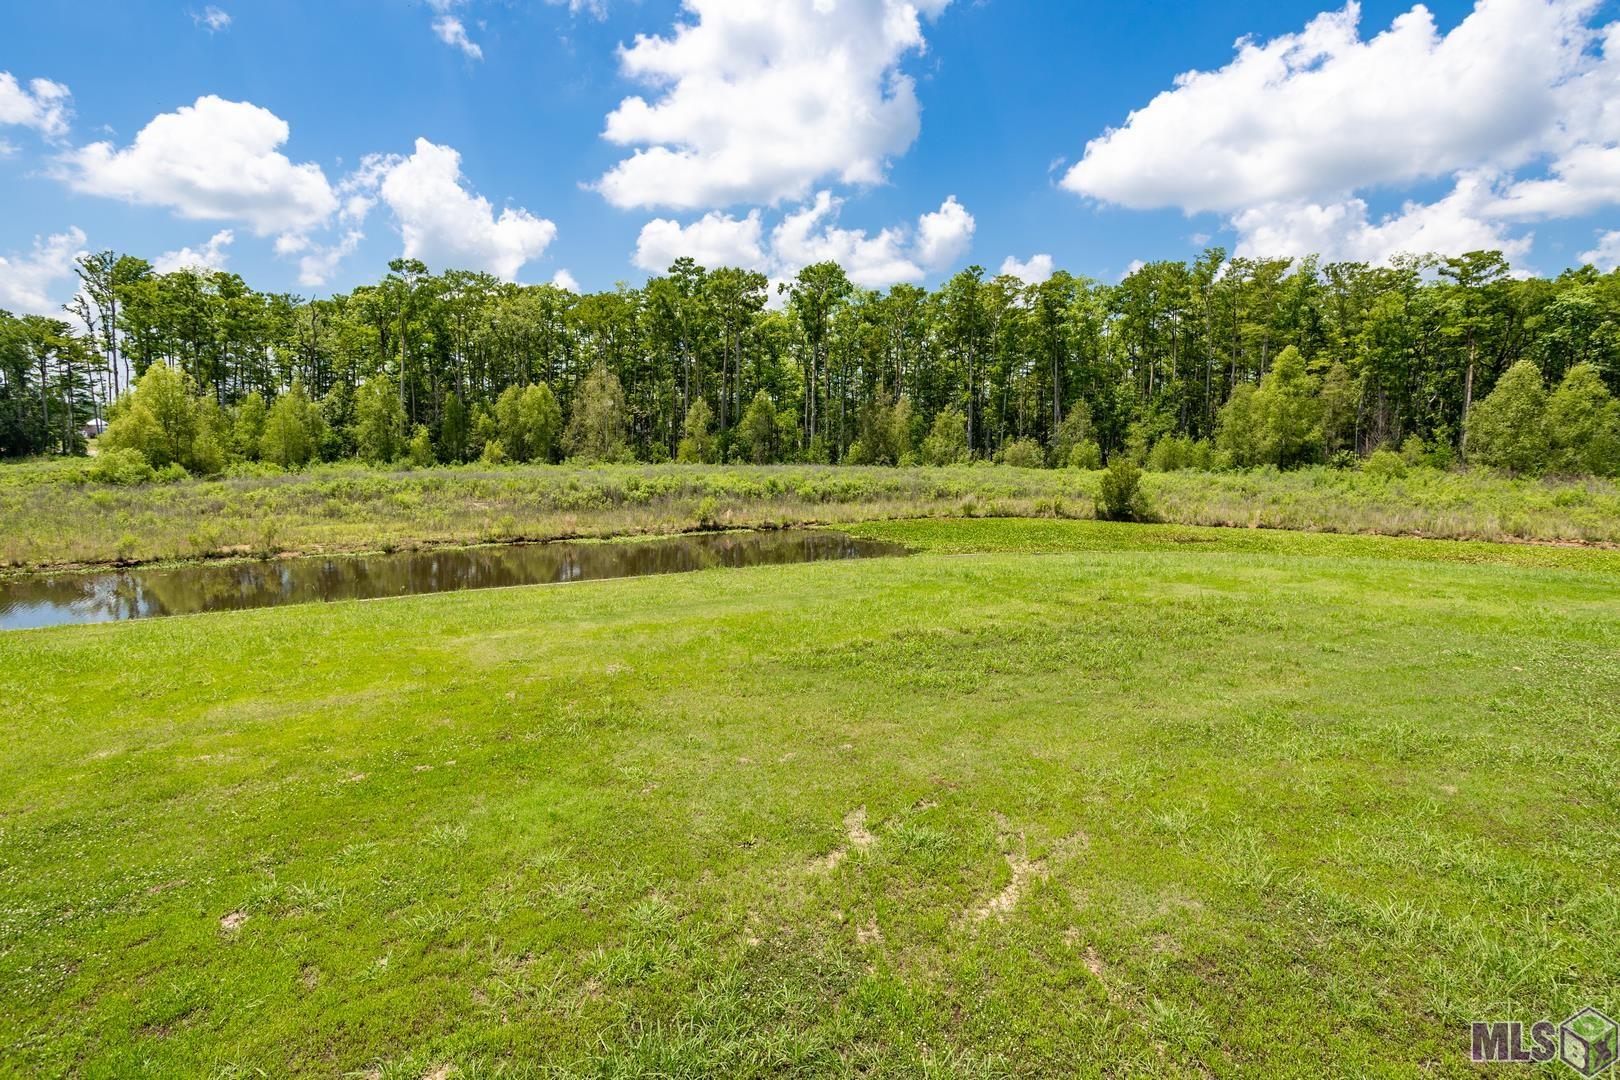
x=1046, y=798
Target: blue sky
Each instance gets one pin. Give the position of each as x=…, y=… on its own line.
x=1491, y=125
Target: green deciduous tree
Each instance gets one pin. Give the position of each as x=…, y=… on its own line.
x=529, y=422
x=379, y=421
x=947, y=441
x=247, y=426
x=698, y=444
x=1238, y=431
x=163, y=418
x=596, y=429
x=1508, y=429
x=292, y=429
x=455, y=430
x=1289, y=413
x=756, y=432
x=1583, y=425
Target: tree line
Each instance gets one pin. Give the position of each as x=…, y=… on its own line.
x=1216, y=362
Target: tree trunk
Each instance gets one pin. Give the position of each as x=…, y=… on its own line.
x=1468, y=397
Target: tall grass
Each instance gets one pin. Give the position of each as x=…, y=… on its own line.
x=52, y=515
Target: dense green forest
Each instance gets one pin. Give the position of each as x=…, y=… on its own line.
x=1218, y=363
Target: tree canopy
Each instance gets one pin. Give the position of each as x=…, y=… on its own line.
x=1244, y=361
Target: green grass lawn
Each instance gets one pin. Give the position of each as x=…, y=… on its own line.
x=1045, y=798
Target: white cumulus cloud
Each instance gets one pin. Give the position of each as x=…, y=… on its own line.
x=212, y=256
x=215, y=160
x=1606, y=256
x=1036, y=270
x=29, y=283
x=1325, y=111
x=446, y=225
x=713, y=240
x=562, y=279
x=1288, y=138
x=757, y=102
x=809, y=234
x=318, y=263
x=945, y=235
x=43, y=105
x=1345, y=230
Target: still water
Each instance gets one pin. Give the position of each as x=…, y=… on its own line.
x=55, y=599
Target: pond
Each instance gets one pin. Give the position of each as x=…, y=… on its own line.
x=54, y=599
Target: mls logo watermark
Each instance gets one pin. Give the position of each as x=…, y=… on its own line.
x=1588, y=1042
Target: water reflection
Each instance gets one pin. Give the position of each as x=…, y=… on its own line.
x=51, y=600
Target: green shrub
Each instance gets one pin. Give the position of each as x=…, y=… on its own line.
x=947, y=442
x=241, y=470
x=1085, y=455
x=1022, y=454
x=1384, y=463
x=1173, y=453
x=1419, y=454
x=420, y=450
x=698, y=444
x=120, y=466
x=1119, y=496
x=1072, y=434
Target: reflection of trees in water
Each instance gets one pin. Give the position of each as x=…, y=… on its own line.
x=130, y=594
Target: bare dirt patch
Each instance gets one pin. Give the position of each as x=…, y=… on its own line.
x=855, y=825
x=233, y=922
x=859, y=839
x=1025, y=871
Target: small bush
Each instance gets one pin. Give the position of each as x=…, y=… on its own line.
x=122, y=466
x=251, y=470
x=1385, y=463
x=1086, y=455
x=1022, y=454
x=1173, y=453
x=420, y=448
x=1120, y=497
x=1419, y=454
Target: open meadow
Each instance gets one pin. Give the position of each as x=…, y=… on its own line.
x=54, y=516
x=1043, y=798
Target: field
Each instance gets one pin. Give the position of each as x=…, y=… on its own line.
x=1047, y=797
x=50, y=517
